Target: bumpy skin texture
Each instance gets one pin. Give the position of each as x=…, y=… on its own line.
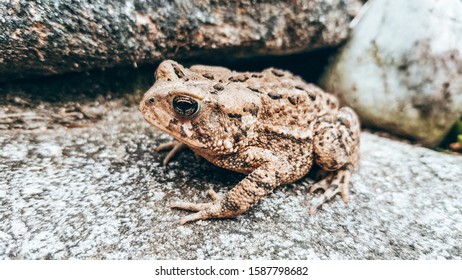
x=270, y=125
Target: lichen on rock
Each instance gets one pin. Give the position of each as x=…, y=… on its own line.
x=401, y=68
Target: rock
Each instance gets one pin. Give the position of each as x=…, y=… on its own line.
x=401, y=68
x=43, y=37
x=99, y=192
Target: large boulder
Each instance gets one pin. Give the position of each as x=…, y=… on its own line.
x=401, y=68
x=48, y=37
x=98, y=191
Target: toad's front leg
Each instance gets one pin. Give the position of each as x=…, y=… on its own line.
x=271, y=172
x=175, y=147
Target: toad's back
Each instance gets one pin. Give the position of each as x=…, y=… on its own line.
x=286, y=102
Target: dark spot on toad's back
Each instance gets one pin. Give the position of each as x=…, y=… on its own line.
x=254, y=89
x=277, y=72
x=293, y=100
x=239, y=78
x=208, y=76
x=274, y=95
x=219, y=86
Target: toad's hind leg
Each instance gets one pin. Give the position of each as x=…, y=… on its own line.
x=336, y=148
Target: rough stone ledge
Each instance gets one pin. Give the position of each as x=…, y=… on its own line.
x=98, y=192
x=49, y=37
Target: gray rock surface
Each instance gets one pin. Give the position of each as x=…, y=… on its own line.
x=48, y=37
x=99, y=192
x=401, y=68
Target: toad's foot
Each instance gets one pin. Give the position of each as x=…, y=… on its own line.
x=334, y=183
x=174, y=146
x=204, y=210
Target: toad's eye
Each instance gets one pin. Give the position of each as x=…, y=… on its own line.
x=185, y=106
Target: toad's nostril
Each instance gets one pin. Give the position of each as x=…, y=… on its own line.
x=150, y=101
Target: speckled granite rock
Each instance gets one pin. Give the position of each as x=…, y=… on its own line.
x=48, y=37
x=401, y=68
x=99, y=192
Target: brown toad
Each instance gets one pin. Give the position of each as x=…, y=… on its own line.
x=270, y=125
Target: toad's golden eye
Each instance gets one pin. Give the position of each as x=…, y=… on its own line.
x=185, y=106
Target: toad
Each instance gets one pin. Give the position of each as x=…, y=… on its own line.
x=270, y=125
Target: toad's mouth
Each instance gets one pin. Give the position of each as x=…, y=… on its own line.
x=181, y=131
